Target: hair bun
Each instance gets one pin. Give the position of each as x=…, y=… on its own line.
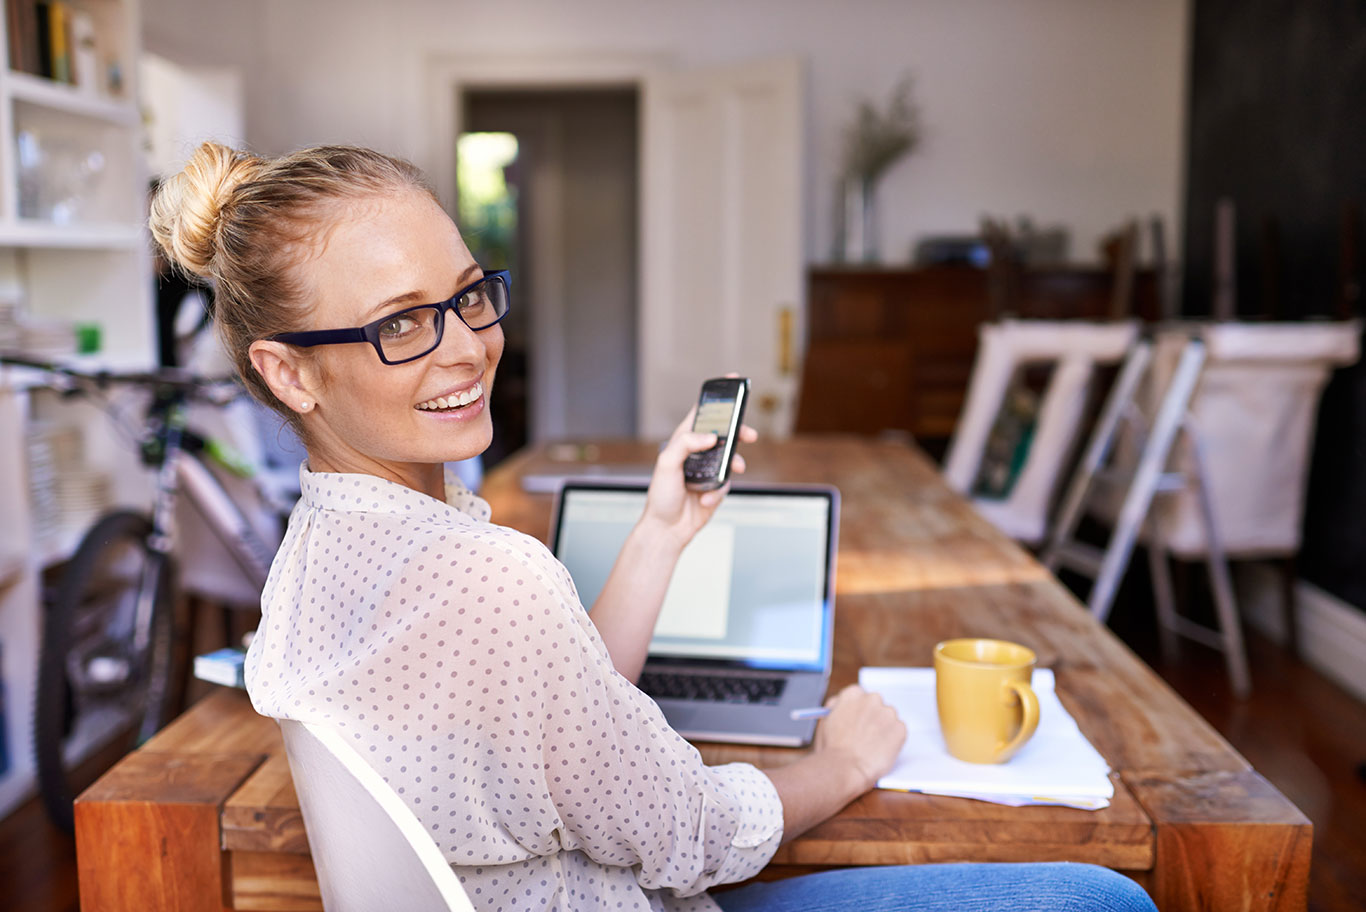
x=185, y=212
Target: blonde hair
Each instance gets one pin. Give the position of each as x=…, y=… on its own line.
x=245, y=222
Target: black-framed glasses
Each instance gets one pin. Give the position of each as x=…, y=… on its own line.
x=408, y=334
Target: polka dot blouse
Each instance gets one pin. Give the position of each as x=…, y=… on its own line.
x=455, y=655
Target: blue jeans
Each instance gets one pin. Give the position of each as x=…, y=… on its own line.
x=1056, y=887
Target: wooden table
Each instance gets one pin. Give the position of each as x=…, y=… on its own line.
x=204, y=816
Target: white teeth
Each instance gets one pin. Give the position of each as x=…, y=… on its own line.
x=453, y=401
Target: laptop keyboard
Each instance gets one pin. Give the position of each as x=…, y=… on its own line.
x=713, y=688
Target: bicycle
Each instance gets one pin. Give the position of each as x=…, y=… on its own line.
x=111, y=661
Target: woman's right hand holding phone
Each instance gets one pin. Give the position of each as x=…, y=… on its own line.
x=629, y=603
x=671, y=509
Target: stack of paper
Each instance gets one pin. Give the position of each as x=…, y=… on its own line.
x=1057, y=766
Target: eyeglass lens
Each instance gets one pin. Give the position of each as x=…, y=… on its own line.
x=414, y=332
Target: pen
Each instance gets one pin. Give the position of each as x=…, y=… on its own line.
x=811, y=712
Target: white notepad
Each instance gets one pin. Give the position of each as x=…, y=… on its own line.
x=1057, y=766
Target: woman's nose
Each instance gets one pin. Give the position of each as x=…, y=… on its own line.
x=459, y=343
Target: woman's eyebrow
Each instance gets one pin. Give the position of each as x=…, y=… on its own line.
x=414, y=298
x=398, y=302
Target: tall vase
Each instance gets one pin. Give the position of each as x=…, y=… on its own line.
x=860, y=221
x=870, y=221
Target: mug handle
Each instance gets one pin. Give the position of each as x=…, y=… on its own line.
x=1029, y=703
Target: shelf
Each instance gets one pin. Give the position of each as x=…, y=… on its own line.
x=22, y=379
x=83, y=158
x=75, y=236
x=58, y=96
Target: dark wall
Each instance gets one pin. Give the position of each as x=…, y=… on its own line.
x=1278, y=125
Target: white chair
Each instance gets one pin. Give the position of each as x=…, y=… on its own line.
x=368, y=847
x=1075, y=348
x=1212, y=467
x=1126, y=493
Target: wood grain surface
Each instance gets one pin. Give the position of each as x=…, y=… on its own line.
x=1191, y=820
x=147, y=831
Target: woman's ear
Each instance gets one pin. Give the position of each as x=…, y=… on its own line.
x=286, y=372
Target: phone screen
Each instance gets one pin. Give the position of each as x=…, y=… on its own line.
x=713, y=412
x=719, y=410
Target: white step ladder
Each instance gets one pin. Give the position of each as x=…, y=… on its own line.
x=1170, y=425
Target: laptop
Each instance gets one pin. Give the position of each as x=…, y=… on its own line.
x=744, y=636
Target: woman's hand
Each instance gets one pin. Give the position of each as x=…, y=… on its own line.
x=628, y=605
x=865, y=729
x=855, y=746
x=670, y=508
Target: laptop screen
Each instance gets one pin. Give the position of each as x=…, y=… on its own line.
x=754, y=587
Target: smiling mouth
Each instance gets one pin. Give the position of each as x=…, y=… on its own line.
x=454, y=402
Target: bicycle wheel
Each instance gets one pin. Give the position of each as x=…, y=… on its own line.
x=102, y=688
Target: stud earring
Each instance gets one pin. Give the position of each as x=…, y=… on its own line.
x=305, y=405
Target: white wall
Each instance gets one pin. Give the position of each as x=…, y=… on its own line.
x=213, y=39
x=184, y=106
x=1071, y=111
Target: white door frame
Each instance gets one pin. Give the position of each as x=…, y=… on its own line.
x=446, y=77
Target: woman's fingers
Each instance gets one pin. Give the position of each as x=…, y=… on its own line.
x=864, y=726
x=684, y=441
x=711, y=498
x=685, y=425
x=681, y=445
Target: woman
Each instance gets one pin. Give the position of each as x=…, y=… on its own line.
x=454, y=652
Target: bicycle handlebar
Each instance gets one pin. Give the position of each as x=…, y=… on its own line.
x=214, y=390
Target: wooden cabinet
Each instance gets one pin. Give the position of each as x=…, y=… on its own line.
x=73, y=248
x=892, y=349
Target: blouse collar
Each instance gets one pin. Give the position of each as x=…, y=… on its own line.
x=369, y=493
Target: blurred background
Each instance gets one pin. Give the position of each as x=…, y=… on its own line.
x=834, y=199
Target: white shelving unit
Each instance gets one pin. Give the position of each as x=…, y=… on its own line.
x=73, y=244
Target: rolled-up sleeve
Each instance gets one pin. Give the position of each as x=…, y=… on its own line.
x=748, y=829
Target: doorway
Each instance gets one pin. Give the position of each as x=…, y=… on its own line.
x=572, y=183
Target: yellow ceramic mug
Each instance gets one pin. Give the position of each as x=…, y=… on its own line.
x=987, y=710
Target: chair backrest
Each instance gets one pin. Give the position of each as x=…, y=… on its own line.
x=368, y=847
x=1255, y=412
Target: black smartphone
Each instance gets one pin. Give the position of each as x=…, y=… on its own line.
x=720, y=409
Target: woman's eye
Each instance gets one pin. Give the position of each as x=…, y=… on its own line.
x=397, y=326
x=474, y=301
